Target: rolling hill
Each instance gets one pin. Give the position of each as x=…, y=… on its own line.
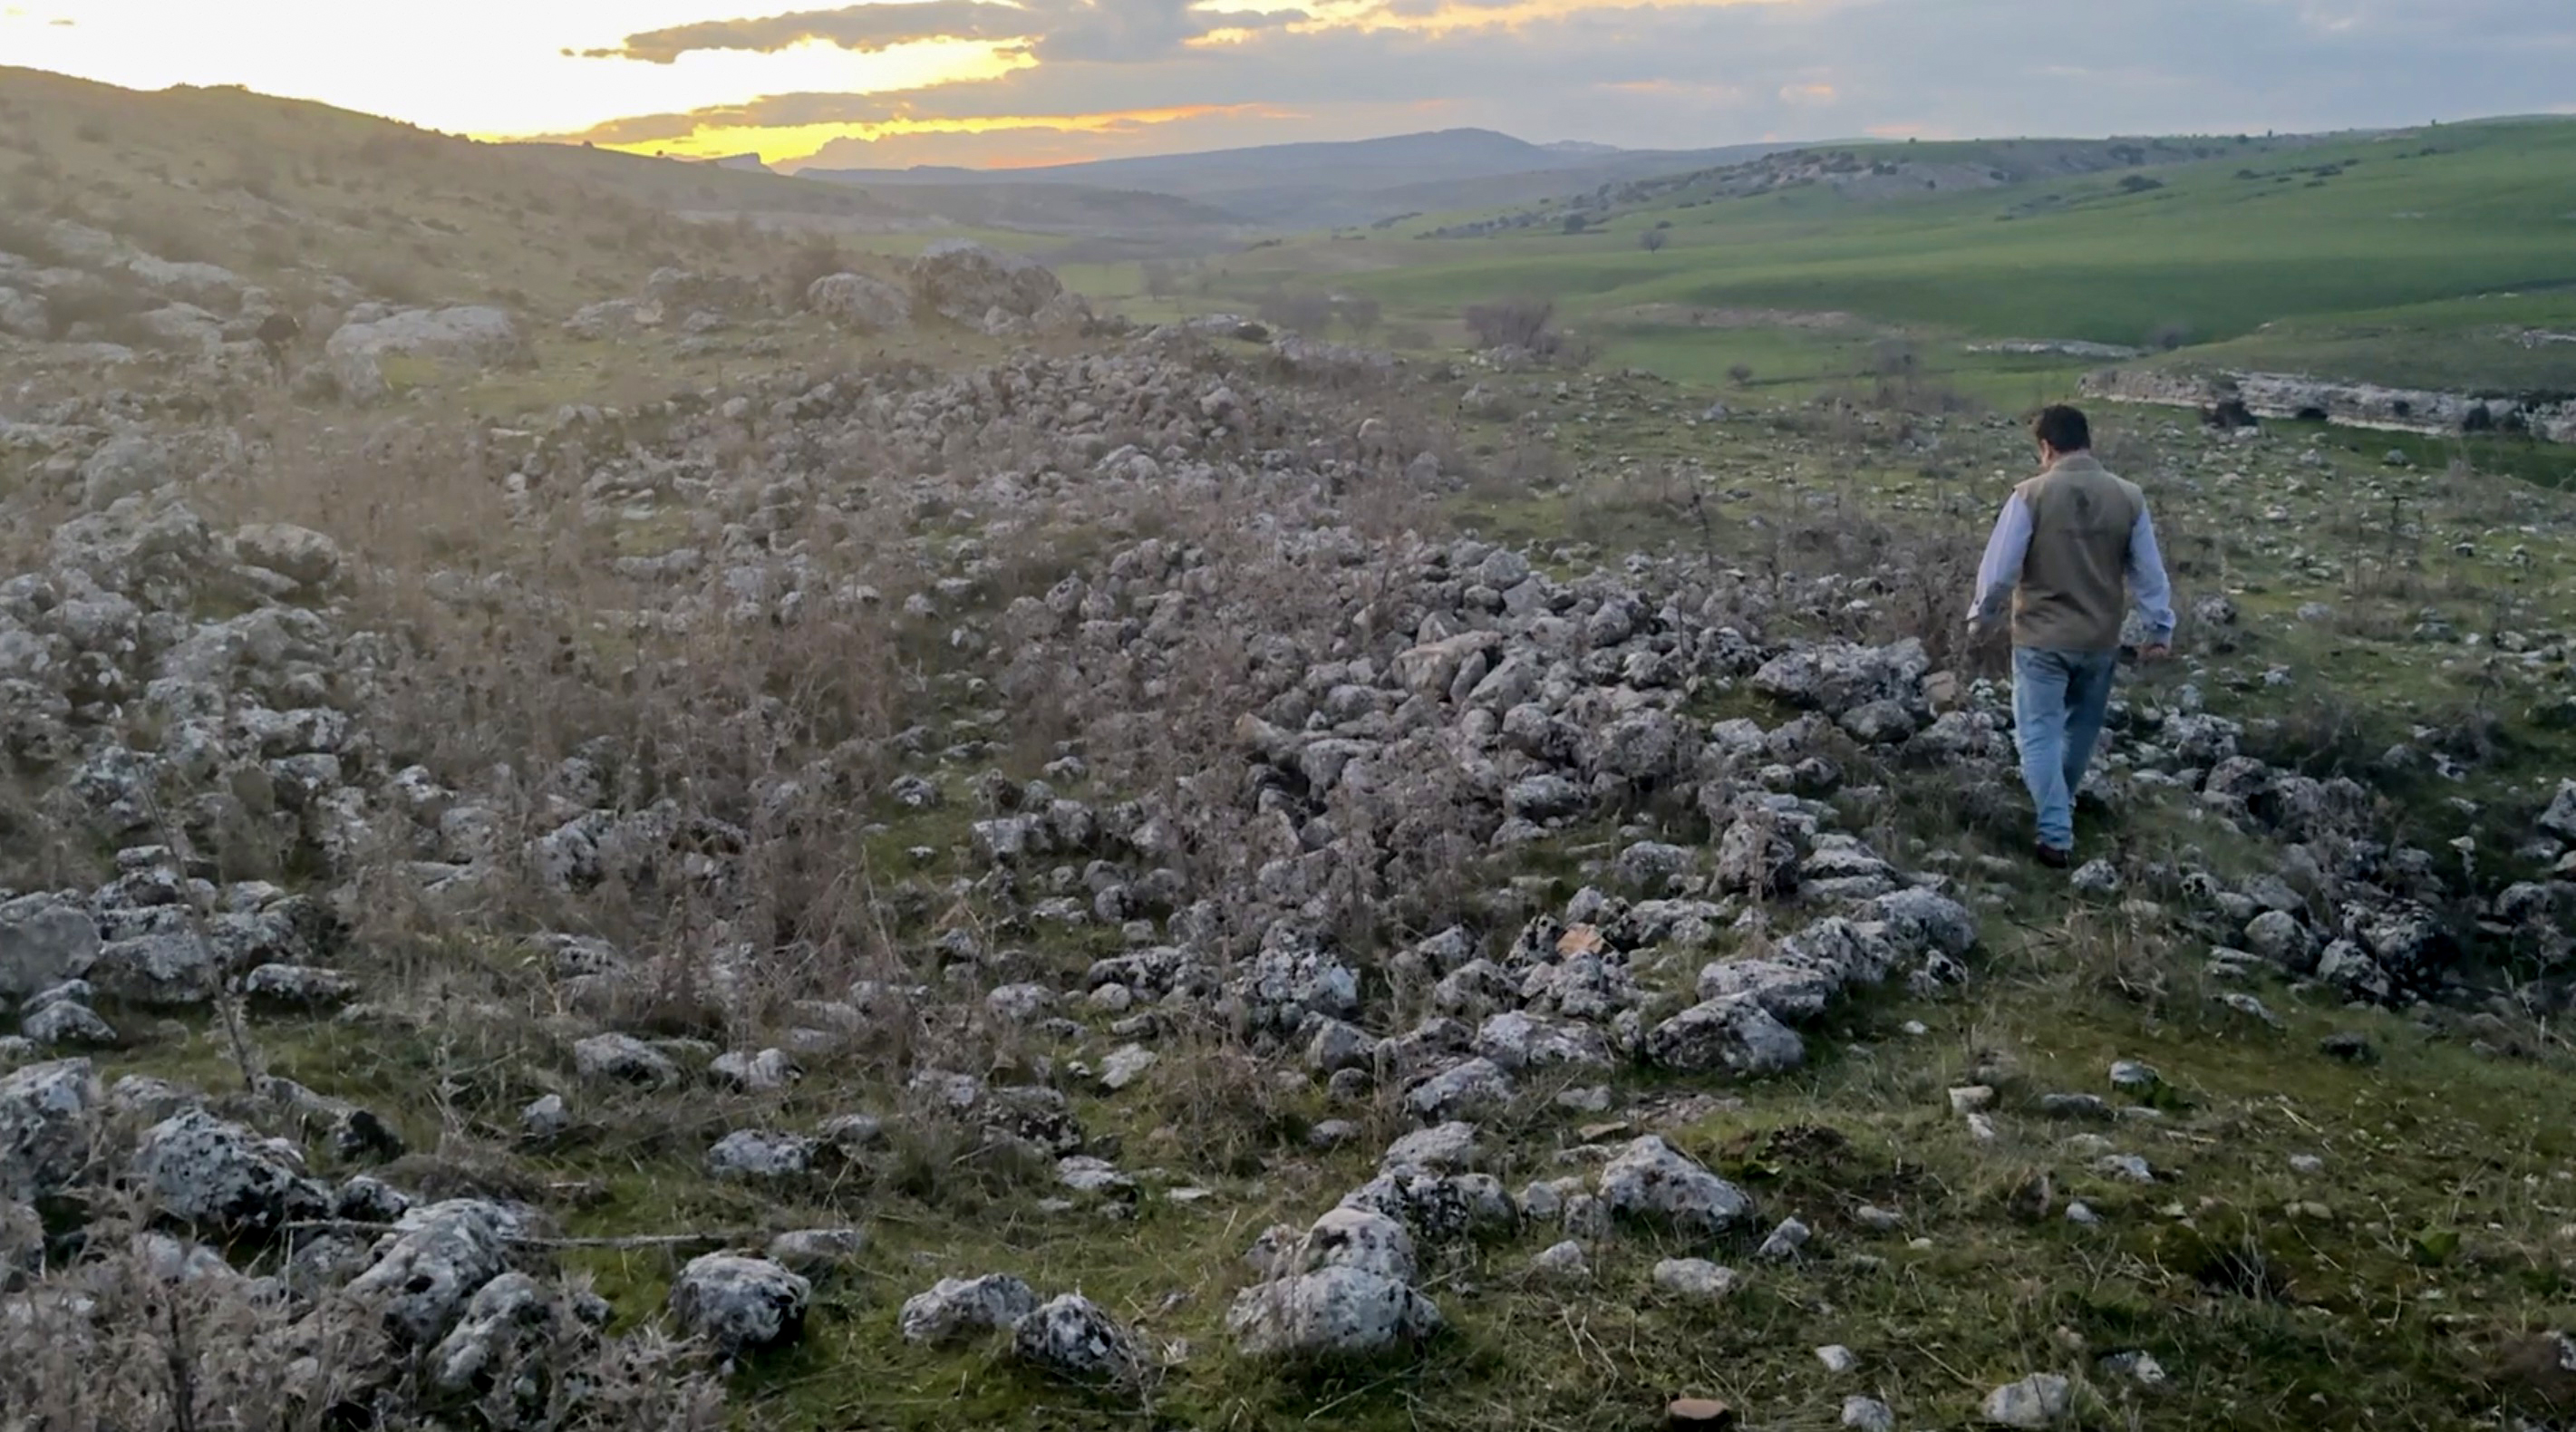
x=1328, y=185
x=2285, y=250
x=300, y=196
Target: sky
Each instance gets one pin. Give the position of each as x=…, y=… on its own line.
x=1019, y=82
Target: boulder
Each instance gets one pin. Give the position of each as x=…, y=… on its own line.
x=1073, y=1339
x=967, y=282
x=2040, y=1400
x=1754, y=857
x=300, y=554
x=472, y=336
x=615, y=318
x=44, y=941
x=739, y=1304
x=814, y=1251
x=1513, y=1040
x=753, y=1154
x=49, y=1122
x=1694, y=1278
x=1733, y=1035
x=623, y=1058
x=25, y=315
x=1652, y=1180
x=438, y=1258
x=170, y=968
x=125, y=466
x=860, y=303
x=2559, y=819
x=1349, y=1237
x=201, y=1170
x=959, y=1307
x=1467, y=1088
x=498, y=1353
x=1338, y=1312
x=1927, y=920
x=67, y=1023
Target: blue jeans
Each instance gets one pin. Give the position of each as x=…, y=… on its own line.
x=2058, y=701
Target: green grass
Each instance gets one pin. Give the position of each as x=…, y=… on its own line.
x=2361, y=257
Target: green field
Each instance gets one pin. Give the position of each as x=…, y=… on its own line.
x=2411, y=257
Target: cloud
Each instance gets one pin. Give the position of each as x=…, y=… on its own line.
x=865, y=28
x=1108, y=30
x=1686, y=75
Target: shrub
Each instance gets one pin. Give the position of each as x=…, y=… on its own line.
x=1512, y=323
x=1303, y=312
x=1741, y=375
x=1653, y=240
x=1361, y=313
x=815, y=256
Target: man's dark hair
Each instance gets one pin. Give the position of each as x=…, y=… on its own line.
x=2062, y=428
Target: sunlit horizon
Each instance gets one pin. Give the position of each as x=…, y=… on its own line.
x=1011, y=83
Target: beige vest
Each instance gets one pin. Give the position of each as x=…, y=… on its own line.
x=2074, y=585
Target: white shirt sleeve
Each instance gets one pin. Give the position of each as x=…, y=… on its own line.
x=2147, y=584
x=2000, y=572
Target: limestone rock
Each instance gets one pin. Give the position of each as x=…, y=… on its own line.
x=434, y=1264
x=1075, y=1340
x=205, y=1171
x=49, y=1122
x=860, y=303
x=1650, y=1179
x=43, y=942
x=2040, y=1400
x=1337, y=1312
x=740, y=1304
x=957, y=1307
x=1733, y=1035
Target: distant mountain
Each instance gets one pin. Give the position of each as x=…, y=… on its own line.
x=1335, y=184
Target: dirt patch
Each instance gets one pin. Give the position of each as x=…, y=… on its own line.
x=1681, y=315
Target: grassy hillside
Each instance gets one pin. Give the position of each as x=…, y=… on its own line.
x=286, y=192
x=2373, y=253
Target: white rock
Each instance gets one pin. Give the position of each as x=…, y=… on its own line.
x=859, y=302
x=1650, y=1179
x=958, y=1307
x=2039, y=1400
x=740, y=1304
x=1337, y=1312
x=1868, y=1414
x=1125, y=1065
x=49, y=1124
x=201, y=1170
x=1075, y=1340
x=1442, y=1148
x=1561, y=1260
x=443, y=1255
x=1695, y=1278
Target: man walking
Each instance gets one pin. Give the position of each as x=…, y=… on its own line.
x=2067, y=543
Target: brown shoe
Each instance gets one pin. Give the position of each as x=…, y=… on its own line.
x=2054, y=858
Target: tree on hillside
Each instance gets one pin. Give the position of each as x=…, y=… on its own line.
x=1653, y=240
x=1741, y=375
x=1362, y=313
